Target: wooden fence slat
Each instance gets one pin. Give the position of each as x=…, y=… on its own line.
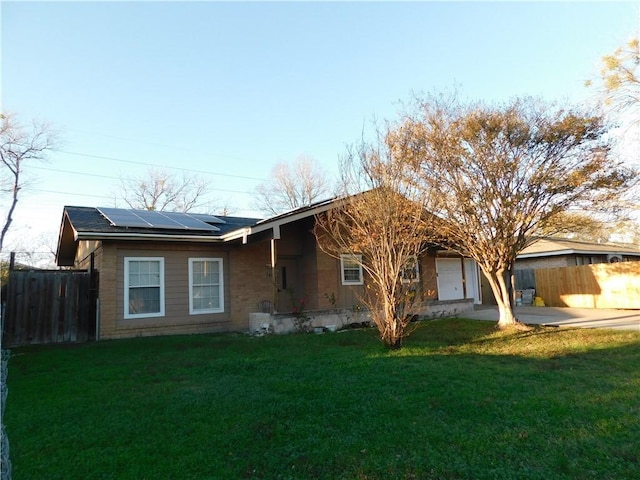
x=47, y=307
x=603, y=285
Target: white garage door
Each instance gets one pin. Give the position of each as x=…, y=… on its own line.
x=449, y=278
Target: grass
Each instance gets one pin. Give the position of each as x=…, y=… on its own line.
x=459, y=401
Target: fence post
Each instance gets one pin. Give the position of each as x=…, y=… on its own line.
x=93, y=300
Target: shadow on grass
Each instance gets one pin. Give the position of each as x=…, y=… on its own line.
x=459, y=401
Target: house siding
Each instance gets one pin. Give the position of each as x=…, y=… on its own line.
x=176, y=318
x=85, y=249
x=240, y=263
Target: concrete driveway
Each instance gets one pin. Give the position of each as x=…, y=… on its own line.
x=565, y=317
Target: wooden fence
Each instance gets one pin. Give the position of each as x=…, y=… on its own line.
x=45, y=306
x=603, y=285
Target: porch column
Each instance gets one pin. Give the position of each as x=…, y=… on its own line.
x=274, y=278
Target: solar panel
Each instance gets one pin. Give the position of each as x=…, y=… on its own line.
x=119, y=217
x=194, y=221
x=207, y=218
x=158, y=220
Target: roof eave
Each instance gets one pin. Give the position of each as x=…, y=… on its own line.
x=145, y=236
x=578, y=252
x=66, y=248
x=277, y=222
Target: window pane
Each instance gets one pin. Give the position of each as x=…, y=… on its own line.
x=215, y=297
x=144, y=300
x=154, y=268
x=410, y=271
x=144, y=273
x=211, y=272
x=351, y=270
x=197, y=271
x=351, y=275
x=205, y=285
x=144, y=287
x=349, y=263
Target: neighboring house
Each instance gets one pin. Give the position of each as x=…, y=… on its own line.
x=163, y=273
x=573, y=273
x=548, y=252
x=560, y=252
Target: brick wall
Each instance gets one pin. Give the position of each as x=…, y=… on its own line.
x=328, y=281
x=428, y=277
x=544, y=262
x=250, y=281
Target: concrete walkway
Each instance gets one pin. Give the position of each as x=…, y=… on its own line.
x=565, y=317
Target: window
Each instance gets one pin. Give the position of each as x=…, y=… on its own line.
x=351, y=268
x=143, y=287
x=206, y=294
x=410, y=272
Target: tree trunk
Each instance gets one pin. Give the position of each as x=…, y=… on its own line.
x=499, y=285
x=14, y=201
x=391, y=328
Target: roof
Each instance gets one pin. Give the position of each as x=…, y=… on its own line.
x=89, y=219
x=545, y=247
x=87, y=223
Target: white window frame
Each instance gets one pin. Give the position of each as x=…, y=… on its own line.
x=344, y=257
x=416, y=279
x=220, y=309
x=127, y=262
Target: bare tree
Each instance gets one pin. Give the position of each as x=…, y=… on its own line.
x=498, y=174
x=159, y=190
x=292, y=185
x=35, y=250
x=383, y=230
x=20, y=145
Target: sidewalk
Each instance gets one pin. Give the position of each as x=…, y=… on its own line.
x=565, y=317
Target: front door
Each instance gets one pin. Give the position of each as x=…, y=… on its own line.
x=288, y=283
x=449, y=272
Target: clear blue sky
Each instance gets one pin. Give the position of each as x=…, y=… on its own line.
x=230, y=89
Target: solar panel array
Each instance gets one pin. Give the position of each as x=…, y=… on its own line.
x=120, y=217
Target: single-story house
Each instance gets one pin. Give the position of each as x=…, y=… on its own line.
x=550, y=252
x=166, y=272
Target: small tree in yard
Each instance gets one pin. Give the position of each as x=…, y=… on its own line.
x=382, y=230
x=499, y=174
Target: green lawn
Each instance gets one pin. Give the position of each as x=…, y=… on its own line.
x=459, y=401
